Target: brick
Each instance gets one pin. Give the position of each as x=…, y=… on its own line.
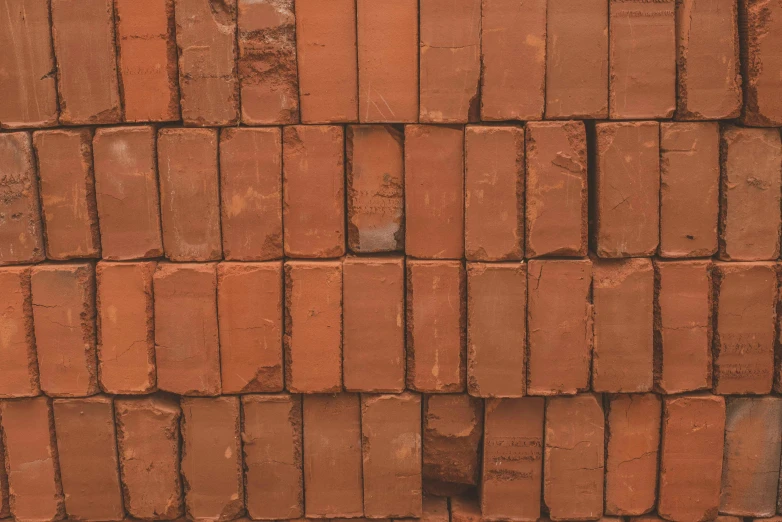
x=494, y=193
x=272, y=446
x=19, y=374
x=328, y=70
x=313, y=191
x=691, y=457
x=689, y=189
x=496, y=329
x=642, y=58
x=435, y=509
x=5, y=504
x=250, y=336
x=627, y=188
x=746, y=298
x=556, y=179
x=375, y=188
x=436, y=316
x=64, y=318
x=83, y=33
x=313, y=326
x=373, y=321
x=750, y=221
x=147, y=55
x=251, y=193
x=126, y=192
x=126, y=327
x=332, y=456
x=559, y=321
x=189, y=186
x=434, y=191
x=67, y=186
x=186, y=331
x=761, y=29
x=87, y=451
x=513, y=459
x=513, y=56
x=577, y=59
x=148, y=446
x=465, y=508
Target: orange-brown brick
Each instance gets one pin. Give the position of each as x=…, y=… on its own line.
x=19, y=373
x=761, y=27
x=5, y=504
x=435, y=509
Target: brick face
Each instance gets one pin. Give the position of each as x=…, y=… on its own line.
x=19, y=374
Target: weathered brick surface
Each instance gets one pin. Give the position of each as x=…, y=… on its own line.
x=19, y=371
x=761, y=29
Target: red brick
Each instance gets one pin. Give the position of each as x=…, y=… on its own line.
x=126, y=191
x=5, y=504
x=147, y=59
x=126, y=327
x=328, y=70
x=186, y=332
x=559, y=321
x=435, y=509
x=250, y=336
x=313, y=326
x=627, y=188
x=494, y=193
x=496, y=329
x=83, y=32
x=87, y=450
x=466, y=508
x=513, y=55
x=689, y=189
x=313, y=191
x=148, y=447
x=512, y=459
x=19, y=374
x=64, y=316
x=251, y=193
x=68, y=193
x=189, y=187
x=272, y=446
x=761, y=27
x=436, y=317
x=434, y=191
x=374, y=332
x=332, y=456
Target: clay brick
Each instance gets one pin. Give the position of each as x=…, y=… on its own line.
x=87, y=450
x=559, y=321
x=627, y=188
x=332, y=456
x=434, y=191
x=573, y=461
x=746, y=300
x=436, y=317
x=556, y=179
x=19, y=373
x=633, y=433
x=494, y=193
x=148, y=447
x=64, y=317
x=512, y=459
x=126, y=327
x=750, y=221
x=513, y=56
x=5, y=504
x=251, y=193
x=313, y=326
x=68, y=193
x=374, y=332
x=328, y=70
x=147, y=59
x=391, y=442
x=642, y=58
x=623, y=297
x=189, y=194
x=272, y=445
x=126, y=191
x=186, y=334
x=761, y=30
x=267, y=62
x=466, y=508
x=83, y=33
x=435, y=509
x=313, y=191
x=577, y=59
x=689, y=189
x=28, y=85
x=250, y=336
x=496, y=329
x=375, y=188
